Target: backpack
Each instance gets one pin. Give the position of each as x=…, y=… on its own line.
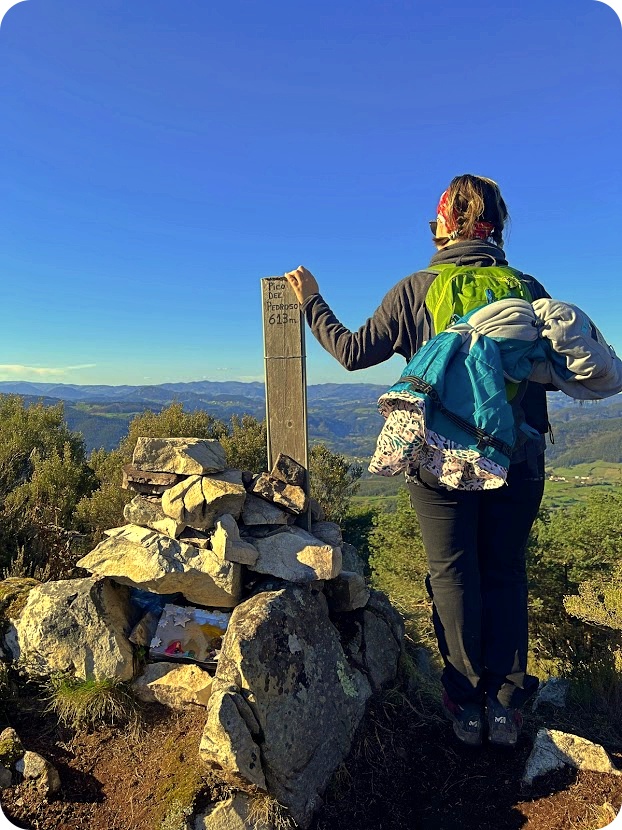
x=460, y=289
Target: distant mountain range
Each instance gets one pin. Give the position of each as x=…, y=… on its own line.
x=343, y=415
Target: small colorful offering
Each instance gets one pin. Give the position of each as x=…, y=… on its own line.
x=187, y=633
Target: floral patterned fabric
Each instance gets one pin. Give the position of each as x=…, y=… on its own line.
x=405, y=443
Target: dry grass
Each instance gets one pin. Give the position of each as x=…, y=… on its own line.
x=93, y=703
x=265, y=813
x=597, y=818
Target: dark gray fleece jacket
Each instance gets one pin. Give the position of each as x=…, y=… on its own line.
x=402, y=323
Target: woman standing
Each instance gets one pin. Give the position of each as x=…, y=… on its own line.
x=475, y=541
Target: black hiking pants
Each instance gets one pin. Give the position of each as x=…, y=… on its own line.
x=475, y=543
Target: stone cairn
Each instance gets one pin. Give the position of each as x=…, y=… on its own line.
x=242, y=599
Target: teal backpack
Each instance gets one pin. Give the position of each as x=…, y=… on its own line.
x=459, y=289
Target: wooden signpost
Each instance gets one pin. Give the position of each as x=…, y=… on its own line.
x=286, y=382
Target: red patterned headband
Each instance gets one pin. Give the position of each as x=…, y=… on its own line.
x=481, y=230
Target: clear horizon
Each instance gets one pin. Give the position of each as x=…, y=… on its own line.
x=54, y=384
x=159, y=159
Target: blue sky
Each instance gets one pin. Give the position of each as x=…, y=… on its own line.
x=158, y=157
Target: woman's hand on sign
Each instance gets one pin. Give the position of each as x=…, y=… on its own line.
x=303, y=282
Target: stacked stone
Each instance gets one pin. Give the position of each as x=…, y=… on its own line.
x=307, y=642
x=202, y=530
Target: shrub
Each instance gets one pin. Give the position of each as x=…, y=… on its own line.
x=568, y=547
x=245, y=444
x=43, y=475
x=598, y=603
x=399, y=566
x=333, y=481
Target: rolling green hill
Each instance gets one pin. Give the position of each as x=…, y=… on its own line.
x=344, y=416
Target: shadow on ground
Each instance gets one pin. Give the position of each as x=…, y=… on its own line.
x=408, y=771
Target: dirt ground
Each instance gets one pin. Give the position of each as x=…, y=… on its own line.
x=405, y=771
x=408, y=771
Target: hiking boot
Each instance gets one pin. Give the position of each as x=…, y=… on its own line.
x=467, y=719
x=504, y=723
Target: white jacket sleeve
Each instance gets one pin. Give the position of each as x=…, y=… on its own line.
x=582, y=364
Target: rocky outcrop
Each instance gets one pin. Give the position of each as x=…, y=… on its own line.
x=285, y=689
x=78, y=626
x=295, y=661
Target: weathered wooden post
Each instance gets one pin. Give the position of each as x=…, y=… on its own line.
x=286, y=382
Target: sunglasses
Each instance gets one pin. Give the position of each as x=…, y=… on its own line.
x=439, y=240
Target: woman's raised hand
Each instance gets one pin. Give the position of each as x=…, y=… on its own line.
x=303, y=282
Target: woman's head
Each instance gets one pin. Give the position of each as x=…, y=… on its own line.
x=471, y=208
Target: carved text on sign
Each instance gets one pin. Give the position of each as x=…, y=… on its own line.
x=278, y=312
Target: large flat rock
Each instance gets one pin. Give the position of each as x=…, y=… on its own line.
x=184, y=456
x=152, y=561
x=297, y=556
x=145, y=482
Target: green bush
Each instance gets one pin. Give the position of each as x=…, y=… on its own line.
x=568, y=547
x=399, y=566
x=333, y=481
x=43, y=475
